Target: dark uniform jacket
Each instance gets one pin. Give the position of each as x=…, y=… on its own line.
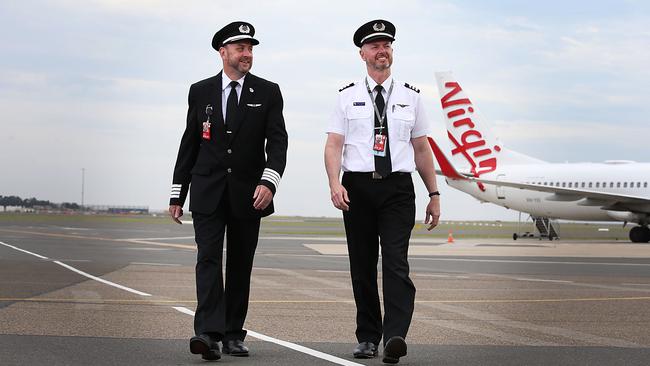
x=233, y=162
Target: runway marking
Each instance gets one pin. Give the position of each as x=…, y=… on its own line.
x=24, y=251
x=296, y=347
x=414, y=258
x=528, y=262
x=635, y=284
x=181, y=246
x=578, y=284
x=98, y=279
x=311, y=294
x=293, y=346
x=542, y=280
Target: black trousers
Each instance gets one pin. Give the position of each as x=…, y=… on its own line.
x=380, y=209
x=221, y=311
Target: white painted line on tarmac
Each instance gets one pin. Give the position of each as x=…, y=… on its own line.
x=183, y=310
x=293, y=346
x=635, y=284
x=98, y=279
x=80, y=272
x=525, y=261
x=541, y=280
x=24, y=251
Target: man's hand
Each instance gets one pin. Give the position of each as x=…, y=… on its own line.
x=176, y=211
x=339, y=196
x=433, y=212
x=262, y=197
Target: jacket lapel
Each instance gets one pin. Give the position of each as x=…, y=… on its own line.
x=216, y=98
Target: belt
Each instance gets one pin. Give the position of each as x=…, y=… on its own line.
x=375, y=175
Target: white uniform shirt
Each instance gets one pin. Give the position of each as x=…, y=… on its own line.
x=354, y=118
x=226, y=89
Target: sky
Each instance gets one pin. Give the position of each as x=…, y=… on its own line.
x=102, y=85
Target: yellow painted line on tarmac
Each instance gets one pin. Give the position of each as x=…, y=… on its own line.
x=71, y=236
x=154, y=302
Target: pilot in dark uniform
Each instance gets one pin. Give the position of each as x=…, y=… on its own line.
x=377, y=136
x=233, y=152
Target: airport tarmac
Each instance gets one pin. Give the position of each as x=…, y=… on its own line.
x=122, y=292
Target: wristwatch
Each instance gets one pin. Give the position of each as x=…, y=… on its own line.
x=434, y=193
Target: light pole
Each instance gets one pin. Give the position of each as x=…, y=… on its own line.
x=83, y=176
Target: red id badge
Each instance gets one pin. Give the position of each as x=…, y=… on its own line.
x=379, y=148
x=206, y=130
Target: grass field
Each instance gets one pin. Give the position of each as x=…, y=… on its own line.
x=287, y=225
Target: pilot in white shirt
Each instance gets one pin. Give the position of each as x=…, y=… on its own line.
x=377, y=137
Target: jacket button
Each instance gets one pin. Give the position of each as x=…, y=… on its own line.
x=229, y=170
x=229, y=151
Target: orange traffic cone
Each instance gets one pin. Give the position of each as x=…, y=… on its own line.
x=450, y=238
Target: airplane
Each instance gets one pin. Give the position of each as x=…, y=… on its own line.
x=480, y=165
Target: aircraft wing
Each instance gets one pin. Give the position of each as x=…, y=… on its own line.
x=607, y=201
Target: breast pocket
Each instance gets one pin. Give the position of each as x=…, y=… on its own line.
x=360, y=125
x=403, y=124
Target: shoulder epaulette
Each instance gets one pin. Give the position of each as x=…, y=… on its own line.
x=412, y=87
x=345, y=87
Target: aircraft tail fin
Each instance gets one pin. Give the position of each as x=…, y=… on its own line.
x=473, y=144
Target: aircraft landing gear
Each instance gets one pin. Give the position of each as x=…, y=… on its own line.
x=640, y=234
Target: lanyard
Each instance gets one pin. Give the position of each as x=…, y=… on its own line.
x=382, y=115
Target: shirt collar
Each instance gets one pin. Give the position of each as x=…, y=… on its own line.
x=225, y=81
x=386, y=84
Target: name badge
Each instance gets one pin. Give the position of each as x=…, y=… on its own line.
x=206, y=130
x=379, y=148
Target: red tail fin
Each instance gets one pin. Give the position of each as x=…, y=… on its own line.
x=447, y=169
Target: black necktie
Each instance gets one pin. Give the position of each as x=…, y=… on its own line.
x=231, y=104
x=382, y=164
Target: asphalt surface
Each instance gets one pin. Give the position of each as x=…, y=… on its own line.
x=478, y=302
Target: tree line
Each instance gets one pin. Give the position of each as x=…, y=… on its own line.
x=16, y=201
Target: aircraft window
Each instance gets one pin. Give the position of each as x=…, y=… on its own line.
x=557, y=184
x=597, y=185
x=624, y=184
x=645, y=184
x=611, y=184
x=638, y=184
x=570, y=183
x=618, y=184
x=590, y=184
x=583, y=185
x=563, y=184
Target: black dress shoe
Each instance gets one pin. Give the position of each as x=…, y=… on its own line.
x=394, y=349
x=365, y=350
x=235, y=348
x=207, y=347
